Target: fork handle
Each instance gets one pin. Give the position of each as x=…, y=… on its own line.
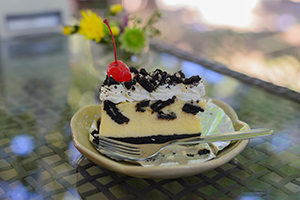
x=237, y=135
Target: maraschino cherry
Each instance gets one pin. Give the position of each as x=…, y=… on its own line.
x=117, y=69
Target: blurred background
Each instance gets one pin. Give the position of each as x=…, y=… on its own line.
x=45, y=77
x=260, y=38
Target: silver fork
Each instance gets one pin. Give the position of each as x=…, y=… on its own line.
x=139, y=152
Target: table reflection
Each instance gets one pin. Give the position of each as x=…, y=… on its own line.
x=96, y=181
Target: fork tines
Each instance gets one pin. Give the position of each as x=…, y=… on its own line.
x=117, y=146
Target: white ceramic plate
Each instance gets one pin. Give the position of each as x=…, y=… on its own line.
x=83, y=119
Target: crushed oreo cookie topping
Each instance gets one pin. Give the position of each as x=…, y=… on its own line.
x=154, y=86
x=150, y=81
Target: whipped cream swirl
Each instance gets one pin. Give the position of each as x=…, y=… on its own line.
x=157, y=85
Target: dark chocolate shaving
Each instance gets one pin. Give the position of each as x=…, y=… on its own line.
x=158, y=105
x=192, y=109
x=114, y=112
x=140, y=106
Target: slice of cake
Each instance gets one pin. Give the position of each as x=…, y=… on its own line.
x=152, y=107
x=142, y=107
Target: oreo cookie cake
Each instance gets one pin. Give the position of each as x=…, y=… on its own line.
x=152, y=107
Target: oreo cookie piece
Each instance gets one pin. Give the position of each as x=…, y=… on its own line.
x=156, y=77
x=203, y=151
x=156, y=72
x=133, y=70
x=114, y=112
x=163, y=78
x=180, y=74
x=144, y=72
x=167, y=116
x=140, y=106
x=144, y=83
x=178, y=77
x=175, y=79
x=110, y=81
x=192, y=80
x=158, y=105
x=95, y=134
x=159, y=78
x=129, y=84
x=192, y=109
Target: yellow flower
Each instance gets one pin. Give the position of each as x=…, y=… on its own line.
x=91, y=26
x=115, y=9
x=68, y=30
x=115, y=30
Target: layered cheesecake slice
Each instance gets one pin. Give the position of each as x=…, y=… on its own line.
x=152, y=107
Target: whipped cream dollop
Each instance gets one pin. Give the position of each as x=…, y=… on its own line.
x=157, y=85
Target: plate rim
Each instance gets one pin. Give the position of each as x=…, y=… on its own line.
x=94, y=111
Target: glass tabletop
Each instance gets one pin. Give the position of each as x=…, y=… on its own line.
x=45, y=81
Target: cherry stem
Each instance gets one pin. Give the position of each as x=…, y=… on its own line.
x=113, y=39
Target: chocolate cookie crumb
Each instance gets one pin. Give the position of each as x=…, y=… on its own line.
x=203, y=151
